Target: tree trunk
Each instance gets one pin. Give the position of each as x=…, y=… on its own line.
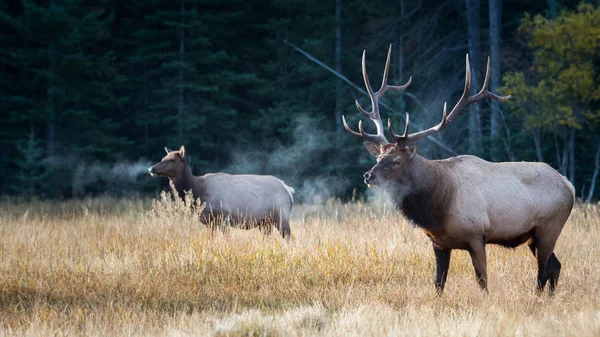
x=180, y=111
x=571, y=152
x=30, y=172
x=146, y=126
x=560, y=160
x=400, y=44
x=473, y=24
x=552, y=8
x=51, y=121
x=419, y=37
x=595, y=175
x=564, y=161
x=495, y=16
x=338, y=67
x=538, y=146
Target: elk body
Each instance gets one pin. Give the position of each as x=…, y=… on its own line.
x=466, y=202
x=243, y=200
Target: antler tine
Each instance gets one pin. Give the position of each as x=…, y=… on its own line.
x=365, y=75
x=467, y=89
x=464, y=100
x=386, y=71
x=406, y=126
x=348, y=128
x=363, y=111
x=384, y=85
x=372, y=96
x=444, y=117
x=404, y=136
x=484, y=92
x=374, y=115
x=486, y=80
x=378, y=138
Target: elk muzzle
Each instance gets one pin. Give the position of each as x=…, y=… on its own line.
x=152, y=171
x=369, y=178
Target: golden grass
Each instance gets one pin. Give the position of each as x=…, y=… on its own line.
x=106, y=267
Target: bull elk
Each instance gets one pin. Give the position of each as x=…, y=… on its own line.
x=244, y=200
x=465, y=202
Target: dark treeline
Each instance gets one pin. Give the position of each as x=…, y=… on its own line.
x=92, y=90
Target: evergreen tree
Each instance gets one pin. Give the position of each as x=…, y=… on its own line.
x=114, y=81
x=31, y=169
x=63, y=81
x=186, y=84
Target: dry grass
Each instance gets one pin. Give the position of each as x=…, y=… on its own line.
x=124, y=267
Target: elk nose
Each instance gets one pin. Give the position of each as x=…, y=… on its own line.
x=151, y=171
x=367, y=176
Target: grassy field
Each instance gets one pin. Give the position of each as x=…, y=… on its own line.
x=107, y=267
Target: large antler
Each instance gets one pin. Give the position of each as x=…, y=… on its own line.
x=375, y=96
x=465, y=100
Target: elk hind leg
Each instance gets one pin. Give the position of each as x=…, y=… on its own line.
x=548, y=265
x=553, y=270
x=544, y=246
x=283, y=224
x=542, y=277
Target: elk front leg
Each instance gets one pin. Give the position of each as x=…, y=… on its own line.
x=477, y=251
x=442, y=261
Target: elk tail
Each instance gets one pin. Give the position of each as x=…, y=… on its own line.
x=568, y=183
x=290, y=190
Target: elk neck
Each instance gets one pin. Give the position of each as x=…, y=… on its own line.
x=425, y=193
x=184, y=181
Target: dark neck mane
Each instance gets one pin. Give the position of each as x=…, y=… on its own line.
x=428, y=194
x=183, y=182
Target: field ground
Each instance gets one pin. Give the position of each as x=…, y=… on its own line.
x=105, y=267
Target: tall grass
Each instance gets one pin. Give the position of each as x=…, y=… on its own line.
x=136, y=267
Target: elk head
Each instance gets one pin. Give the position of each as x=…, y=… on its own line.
x=393, y=159
x=171, y=165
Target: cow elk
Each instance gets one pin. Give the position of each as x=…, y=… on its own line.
x=465, y=202
x=242, y=200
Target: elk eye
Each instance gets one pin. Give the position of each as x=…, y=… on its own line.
x=388, y=166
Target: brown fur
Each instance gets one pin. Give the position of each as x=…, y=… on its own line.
x=246, y=201
x=466, y=202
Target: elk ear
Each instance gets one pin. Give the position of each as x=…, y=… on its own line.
x=167, y=150
x=412, y=150
x=182, y=152
x=374, y=149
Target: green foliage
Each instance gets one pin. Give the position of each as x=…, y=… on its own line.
x=561, y=87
